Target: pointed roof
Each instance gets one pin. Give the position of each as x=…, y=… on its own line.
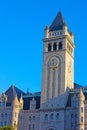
x=81, y=95
x=21, y=99
x=15, y=101
x=12, y=92
x=58, y=23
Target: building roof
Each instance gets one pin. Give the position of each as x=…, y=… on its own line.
x=58, y=23
x=79, y=91
x=27, y=100
x=12, y=92
x=76, y=86
x=27, y=97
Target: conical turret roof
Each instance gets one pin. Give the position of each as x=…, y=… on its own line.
x=58, y=23
x=12, y=92
x=15, y=101
x=81, y=95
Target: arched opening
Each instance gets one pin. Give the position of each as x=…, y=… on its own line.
x=51, y=116
x=51, y=129
x=57, y=116
x=46, y=117
x=60, y=45
x=54, y=47
x=49, y=47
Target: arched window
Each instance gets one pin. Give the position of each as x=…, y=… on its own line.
x=57, y=116
x=33, y=117
x=46, y=117
x=49, y=47
x=2, y=115
x=51, y=116
x=5, y=115
x=60, y=45
x=30, y=118
x=54, y=47
x=72, y=115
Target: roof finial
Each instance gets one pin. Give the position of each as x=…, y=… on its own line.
x=2, y=91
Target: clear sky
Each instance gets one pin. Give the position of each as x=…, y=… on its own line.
x=22, y=24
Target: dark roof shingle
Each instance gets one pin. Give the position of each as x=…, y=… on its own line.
x=58, y=23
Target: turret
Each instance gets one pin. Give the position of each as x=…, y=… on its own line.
x=21, y=102
x=3, y=99
x=16, y=107
x=81, y=99
x=15, y=101
x=65, y=28
x=47, y=32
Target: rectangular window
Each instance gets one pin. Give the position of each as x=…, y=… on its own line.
x=5, y=123
x=29, y=126
x=14, y=123
x=81, y=119
x=33, y=126
x=15, y=114
x=33, y=117
x=30, y=118
x=81, y=109
x=1, y=123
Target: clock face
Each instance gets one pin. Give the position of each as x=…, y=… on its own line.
x=53, y=63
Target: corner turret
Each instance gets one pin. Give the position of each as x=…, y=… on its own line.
x=3, y=99
x=21, y=102
x=16, y=107
x=46, y=32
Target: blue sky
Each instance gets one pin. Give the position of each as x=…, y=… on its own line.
x=22, y=24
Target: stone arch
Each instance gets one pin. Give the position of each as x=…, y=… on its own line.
x=49, y=47
x=60, y=45
x=53, y=71
x=54, y=46
x=60, y=58
x=51, y=128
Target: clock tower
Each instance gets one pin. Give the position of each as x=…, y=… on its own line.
x=58, y=64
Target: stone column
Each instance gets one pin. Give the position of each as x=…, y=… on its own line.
x=46, y=48
x=50, y=88
x=52, y=47
x=53, y=82
x=56, y=81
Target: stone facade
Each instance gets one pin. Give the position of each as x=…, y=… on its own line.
x=61, y=104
